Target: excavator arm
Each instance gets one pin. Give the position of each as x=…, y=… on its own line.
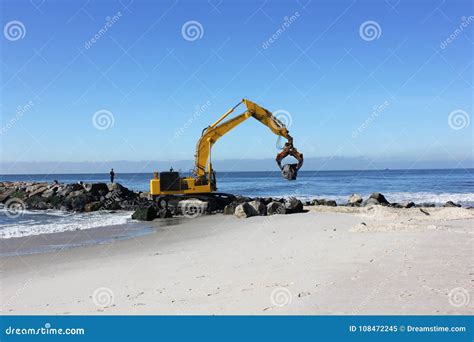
x=218, y=129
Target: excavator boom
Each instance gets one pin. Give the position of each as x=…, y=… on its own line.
x=212, y=133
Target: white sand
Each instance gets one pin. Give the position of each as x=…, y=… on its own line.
x=322, y=262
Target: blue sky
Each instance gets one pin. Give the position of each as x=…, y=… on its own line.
x=344, y=92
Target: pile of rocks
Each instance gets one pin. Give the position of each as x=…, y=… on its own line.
x=78, y=197
x=89, y=197
x=376, y=198
x=244, y=207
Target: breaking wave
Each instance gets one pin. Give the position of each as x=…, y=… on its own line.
x=41, y=222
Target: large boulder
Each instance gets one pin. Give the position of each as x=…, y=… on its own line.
x=293, y=205
x=245, y=210
x=322, y=201
x=379, y=198
x=144, y=195
x=147, y=213
x=93, y=206
x=259, y=207
x=289, y=171
x=451, y=204
x=77, y=193
x=275, y=208
x=49, y=193
x=370, y=201
x=96, y=188
x=38, y=191
x=116, y=186
x=229, y=209
x=354, y=200
x=79, y=202
x=38, y=203
x=35, y=186
x=5, y=195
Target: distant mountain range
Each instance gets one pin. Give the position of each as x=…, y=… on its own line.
x=313, y=163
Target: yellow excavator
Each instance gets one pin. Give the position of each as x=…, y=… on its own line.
x=203, y=178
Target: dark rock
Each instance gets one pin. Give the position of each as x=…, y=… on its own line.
x=451, y=204
x=289, y=171
x=425, y=205
x=145, y=213
x=116, y=186
x=245, y=210
x=370, y=201
x=330, y=203
x=274, y=208
x=77, y=193
x=355, y=200
x=322, y=201
x=78, y=203
x=94, y=188
x=93, y=206
x=55, y=201
x=37, y=203
x=229, y=209
x=379, y=198
x=164, y=213
x=293, y=205
x=259, y=207
x=408, y=205
x=5, y=195
x=38, y=191
x=48, y=193
x=267, y=200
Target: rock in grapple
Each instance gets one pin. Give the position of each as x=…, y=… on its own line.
x=289, y=171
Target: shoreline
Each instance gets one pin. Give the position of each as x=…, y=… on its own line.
x=329, y=260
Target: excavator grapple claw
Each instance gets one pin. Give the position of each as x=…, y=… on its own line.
x=289, y=171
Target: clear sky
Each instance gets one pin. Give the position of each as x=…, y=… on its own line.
x=383, y=80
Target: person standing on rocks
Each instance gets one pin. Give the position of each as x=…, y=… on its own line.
x=112, y=176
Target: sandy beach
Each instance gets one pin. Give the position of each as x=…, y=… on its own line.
x=371, y=260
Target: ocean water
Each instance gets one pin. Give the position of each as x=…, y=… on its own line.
x=420, y=186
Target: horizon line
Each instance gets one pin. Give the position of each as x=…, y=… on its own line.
x=335, y=170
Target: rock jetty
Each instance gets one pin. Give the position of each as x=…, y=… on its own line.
x=90, y=197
